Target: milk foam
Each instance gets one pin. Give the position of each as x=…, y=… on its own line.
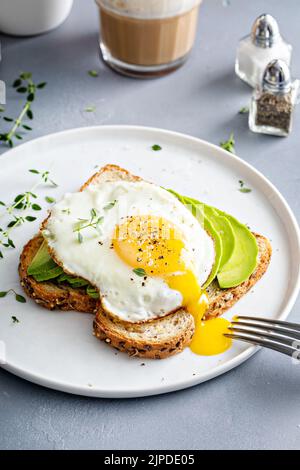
x=149, y=9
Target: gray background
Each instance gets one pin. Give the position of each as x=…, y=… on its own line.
x=256, y=405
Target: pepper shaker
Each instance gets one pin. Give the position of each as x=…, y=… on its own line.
x=273, y=102
x=256, y=50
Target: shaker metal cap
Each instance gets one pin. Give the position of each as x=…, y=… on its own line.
x=277, y=77
x=265, y=31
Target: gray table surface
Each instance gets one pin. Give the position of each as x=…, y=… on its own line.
x=256, y=405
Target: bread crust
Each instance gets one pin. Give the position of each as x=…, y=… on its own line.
x=121, y=339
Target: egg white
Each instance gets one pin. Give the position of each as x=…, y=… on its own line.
x=123, y=293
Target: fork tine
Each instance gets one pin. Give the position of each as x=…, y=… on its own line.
x=289, y=325
x=285, y=339
x=267, y=326
x=276, y=346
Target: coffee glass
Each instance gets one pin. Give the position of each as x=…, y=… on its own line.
x=145, y=38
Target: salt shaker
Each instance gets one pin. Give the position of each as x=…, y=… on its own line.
x=273, y=102
x=256, y=50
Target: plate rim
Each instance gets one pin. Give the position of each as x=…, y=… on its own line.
x=219, y=369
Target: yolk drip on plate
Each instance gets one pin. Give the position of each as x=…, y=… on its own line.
x=155, y=245
x=209, y=338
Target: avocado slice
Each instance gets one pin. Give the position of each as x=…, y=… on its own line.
x=197, y=210
x=48, y=274
x=219, y=222
x=239, y=246
x=42, y=261
x=44, y=268
x=243, y=260
x=224, y=228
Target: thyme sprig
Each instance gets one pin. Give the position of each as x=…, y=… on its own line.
x=24, y=85
x=19, y=209
x=18, y=297
x=94, y=222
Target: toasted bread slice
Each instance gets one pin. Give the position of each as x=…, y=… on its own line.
x=156, y=339
x=48, y=294
x=159, y=338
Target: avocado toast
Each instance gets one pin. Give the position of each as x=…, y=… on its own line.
x=241, y=259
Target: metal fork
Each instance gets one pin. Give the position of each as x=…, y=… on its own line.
x=279, y=335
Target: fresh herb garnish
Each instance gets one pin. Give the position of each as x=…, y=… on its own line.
x=18, y=209
x=90, y=109
x=15, y=319
x=23, y=84
x=94, y=222
x=244, y=110
x=44, y=176
x=156, y=147
x=139, y=272
x=110, y=205
x=50, y=200
x=245, y=190
x=242, y=187
x=18, y=297
x=93, y=73
x=229, y=144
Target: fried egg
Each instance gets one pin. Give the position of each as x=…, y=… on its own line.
x=135, y=242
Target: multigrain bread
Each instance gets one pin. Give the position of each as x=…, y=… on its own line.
x=48, y=294
x=157, y=339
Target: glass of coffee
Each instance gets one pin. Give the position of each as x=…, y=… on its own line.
x=145, y=38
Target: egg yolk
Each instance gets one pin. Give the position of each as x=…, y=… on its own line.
x=209, y=338
x=155, y=245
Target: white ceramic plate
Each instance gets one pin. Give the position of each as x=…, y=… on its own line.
x=57, y=349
